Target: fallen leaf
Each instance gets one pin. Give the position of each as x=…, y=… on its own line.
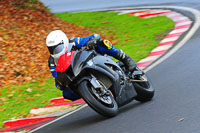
x=10, y=95
x=19, y=91
x=19, y=95
x=25, y=18
x=30, y=99
x=2, y=109
x=43, y=84
x=180, y=119
x=28, y=78
x=29, y=90
x=1, y=39
x=106, y=22
x=81, y=26
x=58, y=95
x=37, y=95
x=45, y=101
x=31, y=115
x=3, y=99
x=37, y=33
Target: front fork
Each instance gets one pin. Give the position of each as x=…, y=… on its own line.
x=96, y=84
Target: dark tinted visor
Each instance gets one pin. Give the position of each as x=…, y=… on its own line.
x=56, y=49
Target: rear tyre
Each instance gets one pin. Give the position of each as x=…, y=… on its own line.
x=108, y=109
x=145, y=90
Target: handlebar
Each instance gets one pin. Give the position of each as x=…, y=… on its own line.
x=88, y=46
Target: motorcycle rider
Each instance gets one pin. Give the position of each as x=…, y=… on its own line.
x=57, y=43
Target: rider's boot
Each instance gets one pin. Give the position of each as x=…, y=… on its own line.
x=129, y=63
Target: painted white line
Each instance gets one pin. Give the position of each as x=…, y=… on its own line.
x=169, y=39
x=58, y=119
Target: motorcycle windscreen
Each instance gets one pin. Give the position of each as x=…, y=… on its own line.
x=64, y=61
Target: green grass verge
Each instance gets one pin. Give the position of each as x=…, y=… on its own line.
x=136, y=36
x=17, y=101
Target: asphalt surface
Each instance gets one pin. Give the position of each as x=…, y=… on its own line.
x=176, y=81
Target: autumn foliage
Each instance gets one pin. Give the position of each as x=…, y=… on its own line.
x=23, y=30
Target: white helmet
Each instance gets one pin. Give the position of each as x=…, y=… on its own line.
x=57, y=43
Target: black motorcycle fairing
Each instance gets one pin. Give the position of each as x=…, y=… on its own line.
x=90, y=61
x=80, y=59
x=106, y=62
x=63, y=79
x=127, y=94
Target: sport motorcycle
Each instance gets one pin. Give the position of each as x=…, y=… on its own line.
x=105, y=85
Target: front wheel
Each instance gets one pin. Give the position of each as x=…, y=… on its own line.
x=145, y=90
x=104, y=105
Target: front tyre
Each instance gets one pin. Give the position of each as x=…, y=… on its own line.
x=107, y=109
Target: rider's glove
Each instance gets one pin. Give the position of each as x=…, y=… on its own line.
x=91, y=44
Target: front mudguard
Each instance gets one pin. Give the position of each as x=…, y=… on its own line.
x=91, y=80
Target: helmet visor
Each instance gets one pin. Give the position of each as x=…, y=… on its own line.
x=56, y=49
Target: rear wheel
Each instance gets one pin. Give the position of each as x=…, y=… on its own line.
x=145, y=90
x=143, y=86
x=103, y=104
